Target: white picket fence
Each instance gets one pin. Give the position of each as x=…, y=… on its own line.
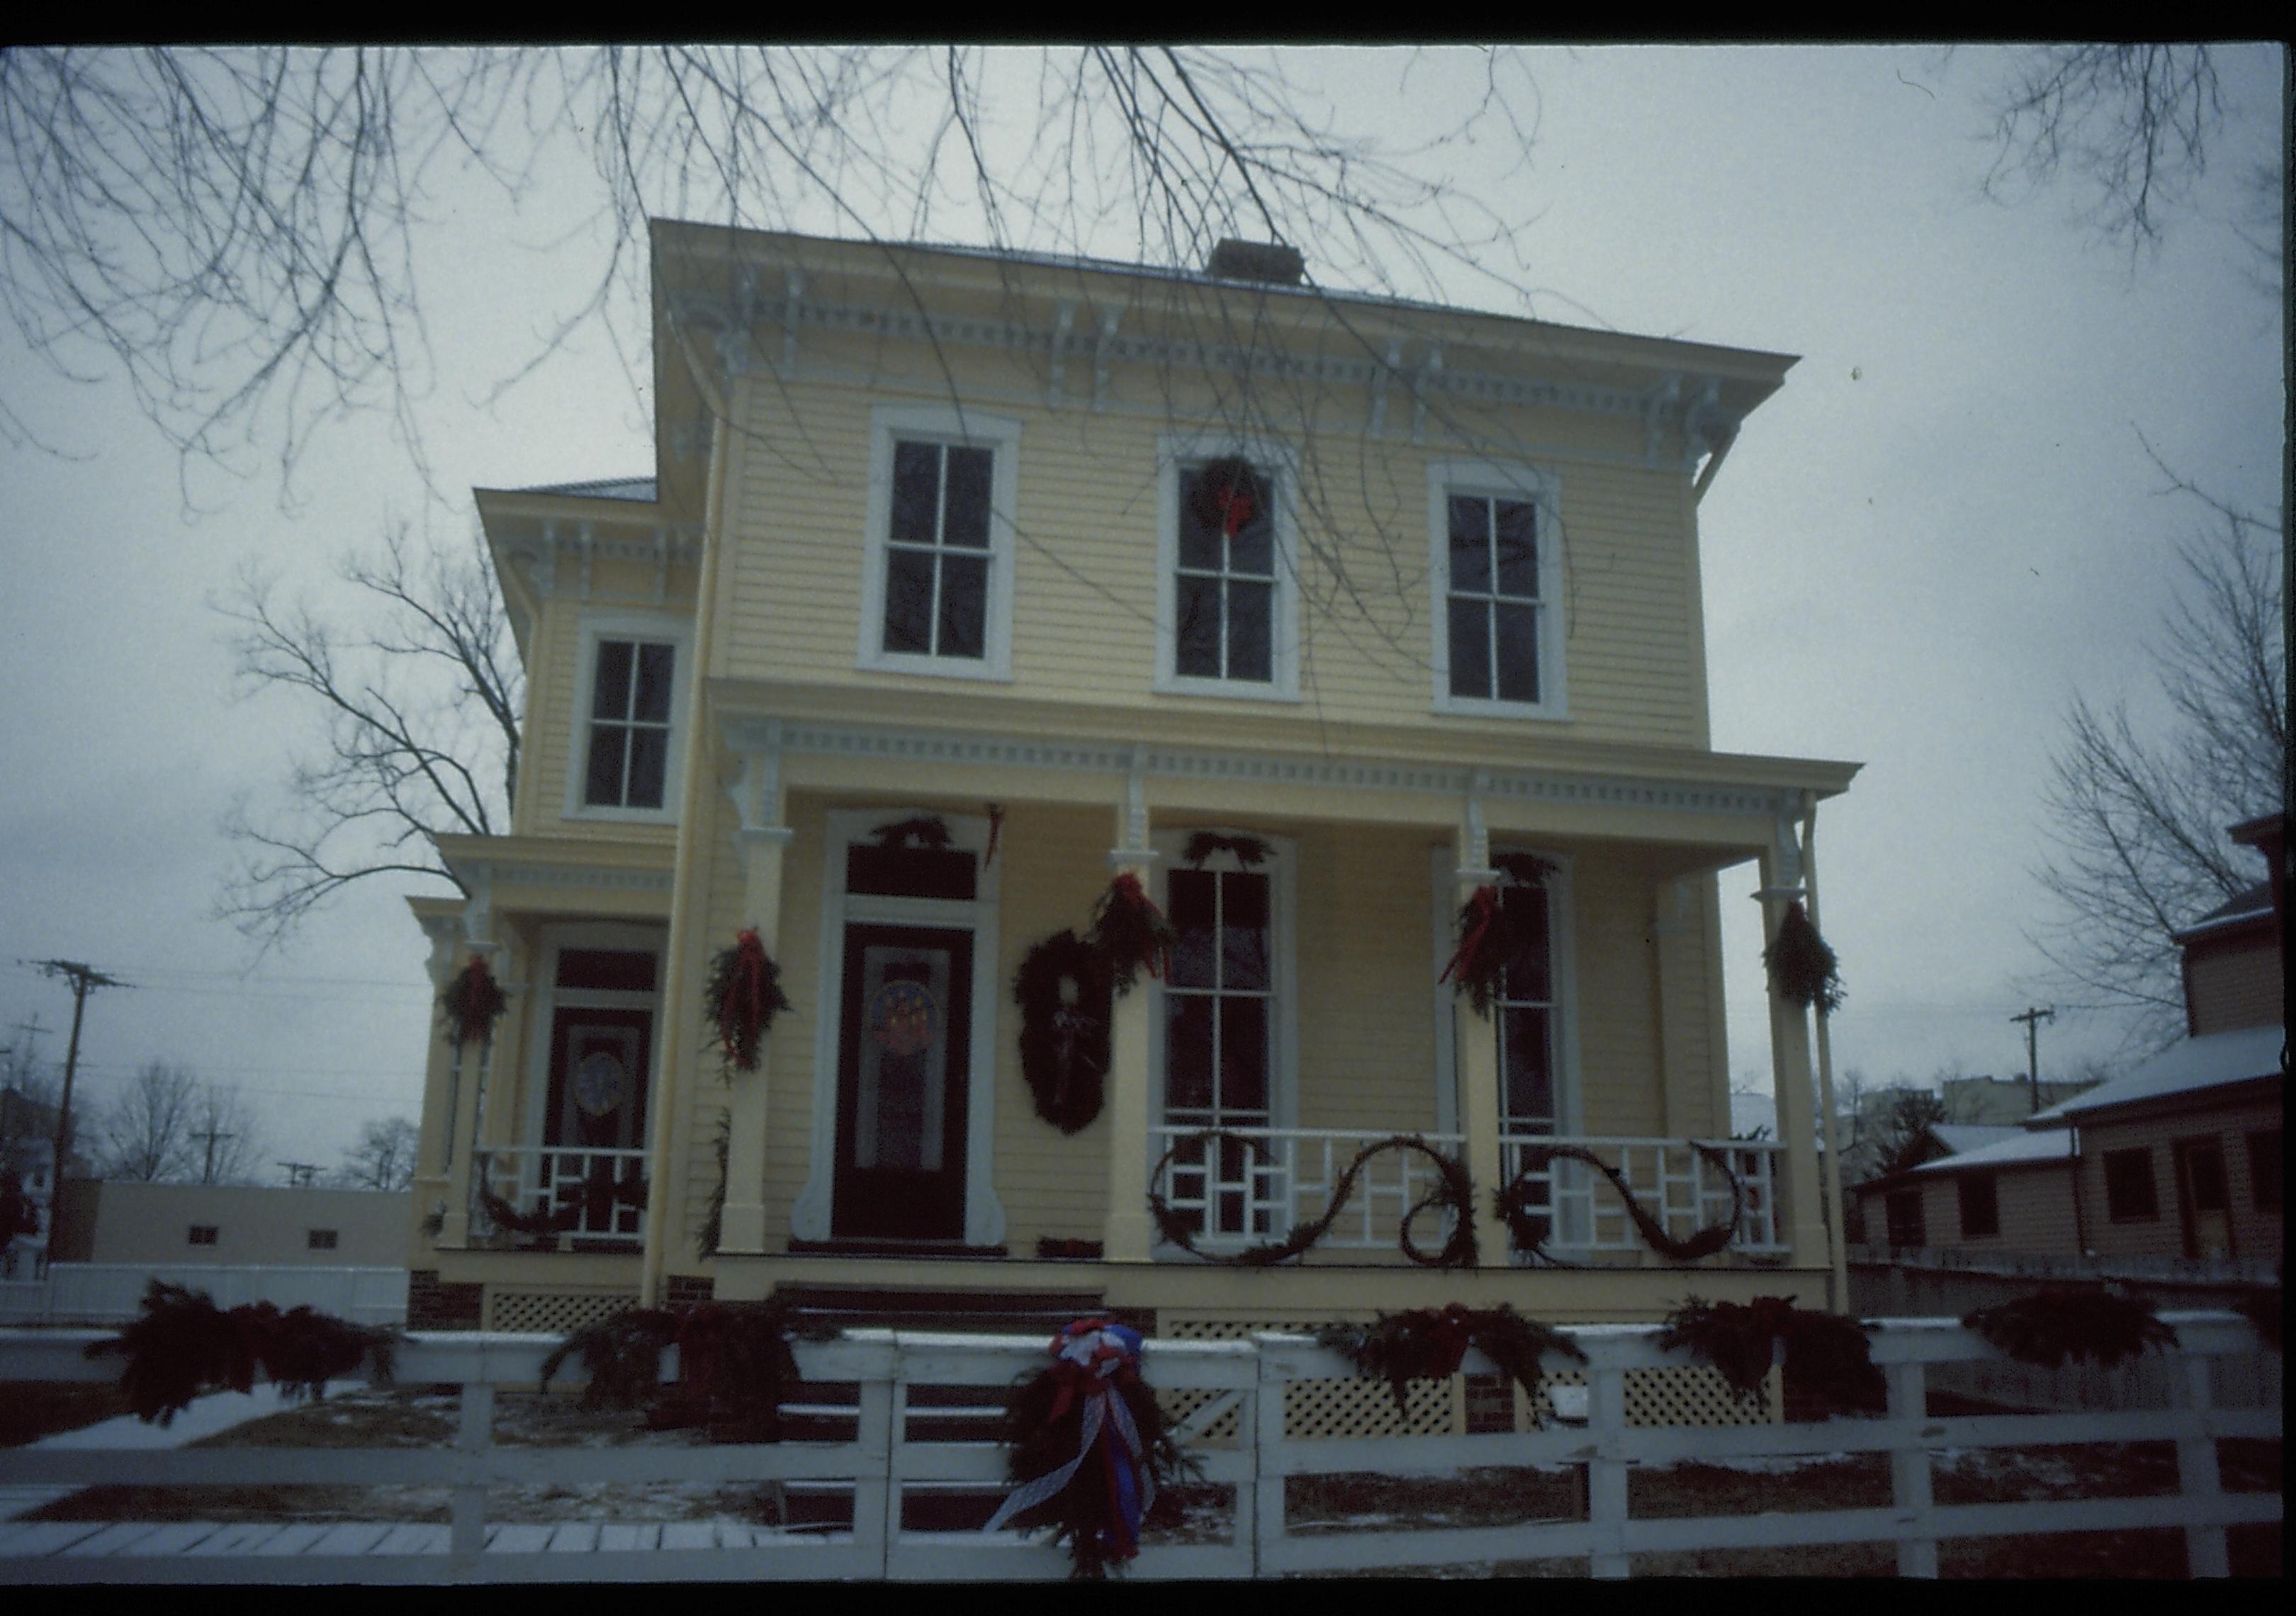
x=883, y=1461
x=112, y=1292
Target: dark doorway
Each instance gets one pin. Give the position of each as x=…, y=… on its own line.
x=902, y=1082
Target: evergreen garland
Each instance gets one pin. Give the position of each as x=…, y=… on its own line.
x=743, y=997
x=599, y=1195
x=470, y=1004
x=1528, y=1221
x=184, y=1345
x=1065, y=990
x=928, y=832
x=1250, y=851
x=1044, y=1433
x=1428, y=1343
x=735, y=1359
x=1130, y=931
x=2103, y=1326
x=1802, y=968
x=1454, y=1192
x=1827, y=1354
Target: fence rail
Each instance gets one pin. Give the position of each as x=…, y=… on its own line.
x=883, y=1459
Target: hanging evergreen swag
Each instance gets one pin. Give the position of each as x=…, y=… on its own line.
x=735, y=1359
x=1827, y=1354
x=470, y=1004
x=929, y=831
x=1130, y=931
x=1493, y=938
x=1086, y=1447
x=184, y=1345
x=2102, y=1326
x=599, y=1196
x=1228, y=496
x=1428, y=1344
x=1250, y=851
x=743, y=997
x=1522, y=1206
x=1453, y=1194
x=1802, y=968
x=1064, y=994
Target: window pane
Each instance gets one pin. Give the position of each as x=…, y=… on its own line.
x=1188, y=1052
x=648, y=762
x=1196, y=635
x=1518, y=549
x=1189, y=895
x=966, y=522
x=908, y=601
x=1528, y=976
x=1518, y=652
x=1252, y=550
x=1243, y=935
x=609, y=696
x=964, y=604
x=1243, y=1056
x=1470, y=545
x=654, y=666
x=604, y=786
x=1250, y=654
x=1470, y=648
x=1200, y=541
x=1524, y=1067
x=917, y=491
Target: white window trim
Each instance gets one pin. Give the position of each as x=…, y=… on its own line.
x=968, y=428
x=1283, y=1026
x=1495, y=479
x=811, y=1215
x=660, y=629
x=547, y=999
x=1570, y=1113
x=1284, y=613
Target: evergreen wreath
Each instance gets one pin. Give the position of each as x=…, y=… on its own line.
x=2102, y=1325
x=1065, y=990
x=928, y=832
x=1528, y=1221
x=743, y=997
x=1228, y=496
x=184, y=1345
x=1250, y=851
x=1827, y=1354
x=598, y=1195
x=734, y=1357
x=470, y=1004
x=1802, y=968
x=1428, y=1344
x=1454, y=1192
x=1492, y=938
x=1073, y=1466
x=1130, y=931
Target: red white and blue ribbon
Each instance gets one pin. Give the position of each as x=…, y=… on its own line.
x=1092, y=1360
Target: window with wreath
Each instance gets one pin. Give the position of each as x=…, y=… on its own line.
x=629, y=726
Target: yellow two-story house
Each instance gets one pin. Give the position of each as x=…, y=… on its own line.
x=968, y=583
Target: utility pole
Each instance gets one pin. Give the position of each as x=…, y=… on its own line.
x=85, y=979
x=2033, y=1017
x=209, y=1134
x=299, y=1173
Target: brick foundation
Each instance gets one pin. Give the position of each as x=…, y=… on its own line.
x=1490, y=1404
x=434, y=1305
x=688, y=1290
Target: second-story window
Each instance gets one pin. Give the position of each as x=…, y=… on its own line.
x=1224, y=594
x=629, y=724
x=937, y=553
x=1498, y=641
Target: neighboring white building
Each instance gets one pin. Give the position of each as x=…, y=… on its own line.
x=245, y=1226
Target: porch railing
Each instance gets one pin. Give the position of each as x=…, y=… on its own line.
x=1671, y=1179
x=1252, y=1184
x=585, y=1195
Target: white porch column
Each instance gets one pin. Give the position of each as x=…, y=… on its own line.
x=1129, y=1235
x=1475, y=1040
x=1790, y=1077
x=467, y=1082
x=763, y=839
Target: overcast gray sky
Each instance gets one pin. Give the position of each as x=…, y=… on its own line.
x=1942, y=529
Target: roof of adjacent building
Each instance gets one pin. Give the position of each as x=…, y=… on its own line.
x=1962, y=1137
x=639, y=489
x=2188, y=1067
x=2027, y=1147
x=2253, y=904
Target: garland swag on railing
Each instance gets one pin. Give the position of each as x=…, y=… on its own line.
x=600, y=1193
x=734, y=1359
x=184, y=1345
x=1429, y=1343
x=1827, y=1354
x=743, y=997
x=1454, y=1192
x=2049, y=1326
x=1529, y=1223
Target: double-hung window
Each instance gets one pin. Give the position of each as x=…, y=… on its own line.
x=628, y=762
x=1496, y=564
x=938, y=596
x=1225, y=592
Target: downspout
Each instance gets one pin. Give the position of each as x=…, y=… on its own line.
x=684, y=902
x=1836, y=1252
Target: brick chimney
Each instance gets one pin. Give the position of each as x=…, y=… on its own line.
x=1270, y=263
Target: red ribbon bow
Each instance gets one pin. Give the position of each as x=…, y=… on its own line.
x=744, y=1010
x=1127, y=888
